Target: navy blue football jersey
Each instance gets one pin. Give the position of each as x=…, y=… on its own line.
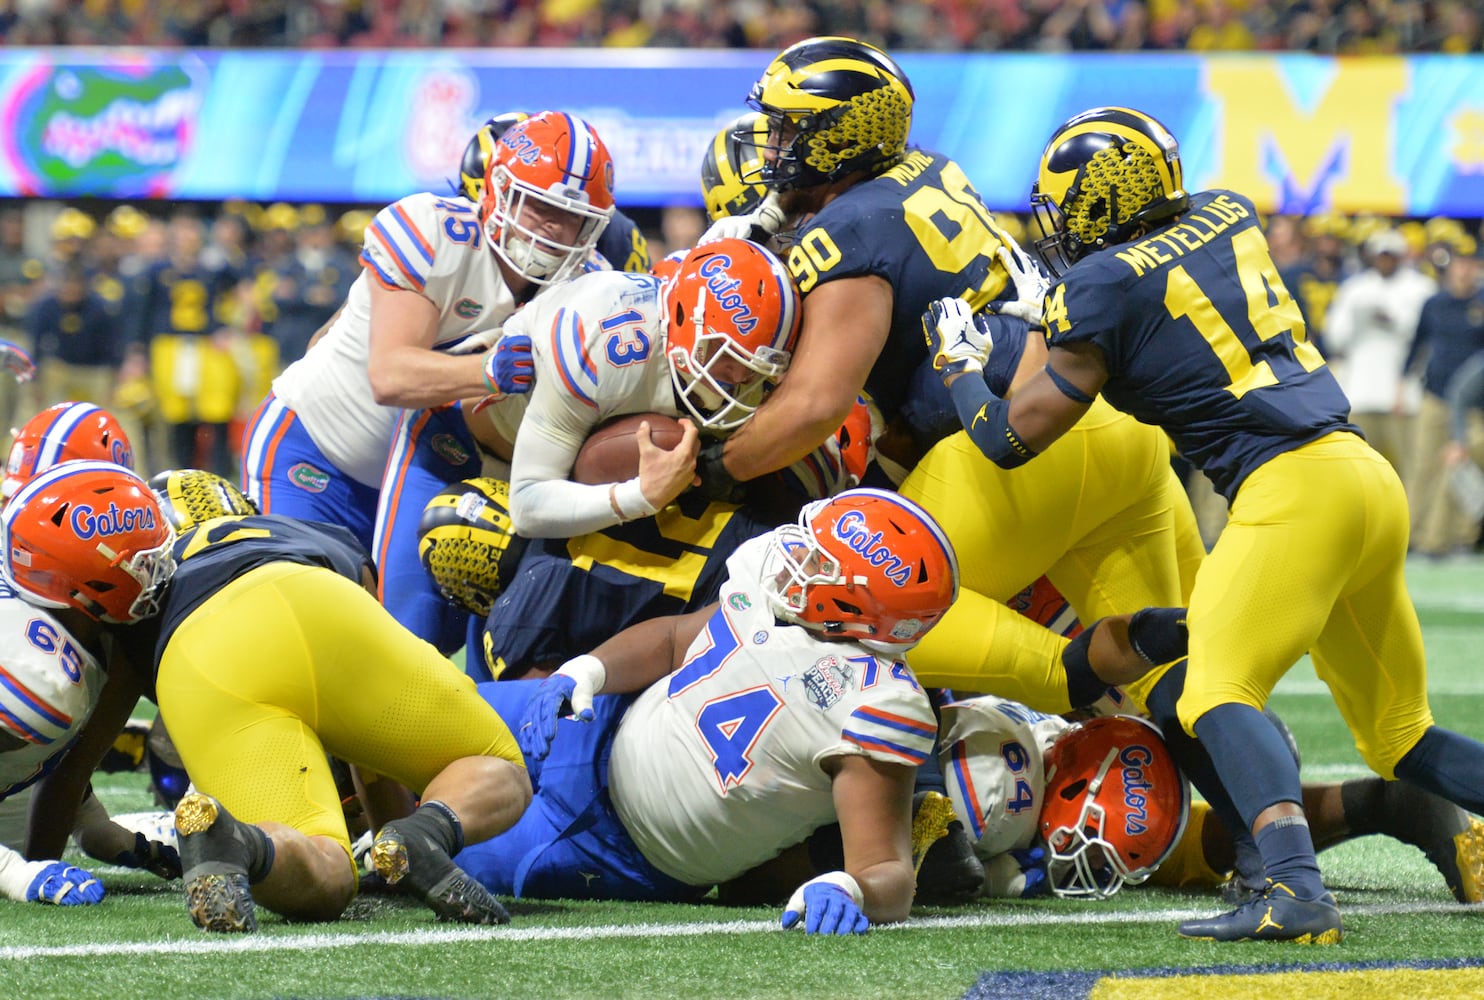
x=923, y=228
x=624, y=245
x=216, y=552
x=1201, y=338
x=568, y=595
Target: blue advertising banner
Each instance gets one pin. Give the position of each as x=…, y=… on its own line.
x=1296, y=133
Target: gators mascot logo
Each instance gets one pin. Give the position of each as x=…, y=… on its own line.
x=119, y=128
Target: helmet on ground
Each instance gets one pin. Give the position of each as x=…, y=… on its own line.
x=732, y=316
x=732, y=170
x=89, y=536
x=61, y=433
x=551, y=166
x=866, y=565
x=468, y=544
x=1104, y=174
x=190, y=496
x=1115, y=806
x=833, y=106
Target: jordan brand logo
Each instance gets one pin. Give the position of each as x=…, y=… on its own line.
x=1267, y=921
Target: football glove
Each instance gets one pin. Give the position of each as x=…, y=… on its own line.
x=830, y=904
x=152, y=856
x=959, y=340
x=15, y=359
x=757, y=225
x=569, y=691
x=508, y=369
x=1018, y=874
x=63, y=885
x=716, y=482
x=1031, y=284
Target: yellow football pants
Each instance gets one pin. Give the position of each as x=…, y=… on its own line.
x=1100, y=513
x=288, y=663
x=1312, y=560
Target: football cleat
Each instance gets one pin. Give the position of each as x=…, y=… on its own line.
x=1452, y=839
x=1275, y=914
x=947, y=870
x=416, y=866
x=215, y=854
x=1240, y=888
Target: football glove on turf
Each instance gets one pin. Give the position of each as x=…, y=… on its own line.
x=63, y=885
x=151, y=856
x=830, y=904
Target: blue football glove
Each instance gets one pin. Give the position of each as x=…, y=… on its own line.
x=59, y=883
x=830, y=904
x=1033, y=867
x=957, y=342
x=152, y=856
x=15, y=359
x=569, y=691
x=508, y=369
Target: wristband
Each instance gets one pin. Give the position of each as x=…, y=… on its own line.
x=842, y=880
x=1083, y=685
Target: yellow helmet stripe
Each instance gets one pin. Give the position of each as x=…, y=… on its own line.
x=1170, y=177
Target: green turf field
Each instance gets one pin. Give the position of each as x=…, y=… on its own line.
x=140, y=943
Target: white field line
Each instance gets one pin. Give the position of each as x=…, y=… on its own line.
x=324, y=942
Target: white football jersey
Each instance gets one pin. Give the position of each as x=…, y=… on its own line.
x=597, y=344
x=49, y=686
x=993, y=760
x=717, y=768
x=423, y=243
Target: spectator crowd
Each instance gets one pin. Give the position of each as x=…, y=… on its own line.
x=1325, y=26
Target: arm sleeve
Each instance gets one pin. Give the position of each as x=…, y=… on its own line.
x=986, y=419
x=544, y=503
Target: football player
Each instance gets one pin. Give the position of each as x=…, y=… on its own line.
x=622, y=245
x=775, y=711
x=60, y=433
x=1169, y=305
x=259, y=644
x=888, y=230
x=438, y=273
x=57, y=701
x=1023, y=784
x=730, y=177
x=798, y=663
x=703, y=345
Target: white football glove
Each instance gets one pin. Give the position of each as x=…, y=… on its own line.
x=1031, y=284
x=767, y=217
x=957, y=343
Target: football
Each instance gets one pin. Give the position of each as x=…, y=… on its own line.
x=611, y=452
